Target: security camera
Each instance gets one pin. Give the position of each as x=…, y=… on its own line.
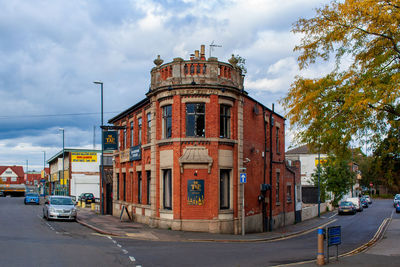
x=247, y=160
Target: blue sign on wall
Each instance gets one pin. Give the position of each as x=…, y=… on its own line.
x=243, y=178
x=110, y=140
x=135, y=153
x=195, y=192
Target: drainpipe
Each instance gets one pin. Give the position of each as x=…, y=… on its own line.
x=271, y=124
x=264, y=207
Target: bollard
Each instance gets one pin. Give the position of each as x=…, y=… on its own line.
x=320, y=254
x=83, y=204
x=93, y=206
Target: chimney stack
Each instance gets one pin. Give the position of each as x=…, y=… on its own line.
x=196, y=54
x=202, y=52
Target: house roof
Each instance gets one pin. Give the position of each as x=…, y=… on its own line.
x=304, y=149
x=19, y=170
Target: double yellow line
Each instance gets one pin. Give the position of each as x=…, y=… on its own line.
x=378, y=235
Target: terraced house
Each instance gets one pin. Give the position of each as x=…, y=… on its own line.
x=188, y=144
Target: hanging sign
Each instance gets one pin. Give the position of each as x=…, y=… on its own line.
x=110, y=141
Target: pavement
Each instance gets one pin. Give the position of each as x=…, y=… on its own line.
x=384, y=249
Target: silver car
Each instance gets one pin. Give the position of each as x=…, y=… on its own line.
x=59, y=207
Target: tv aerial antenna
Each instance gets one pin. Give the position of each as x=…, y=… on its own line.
x=212, y=45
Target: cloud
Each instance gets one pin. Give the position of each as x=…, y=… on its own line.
x=52, y=51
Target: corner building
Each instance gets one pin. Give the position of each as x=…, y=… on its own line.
x=184, y=146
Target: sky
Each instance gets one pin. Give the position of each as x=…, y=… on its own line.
x=51, y=51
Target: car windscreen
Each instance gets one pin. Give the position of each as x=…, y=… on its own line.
x=31, y=195
x=345, y=203
x=61, y=201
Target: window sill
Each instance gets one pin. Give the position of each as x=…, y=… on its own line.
x=278, y=203
x=225, y=211
x=167, y=211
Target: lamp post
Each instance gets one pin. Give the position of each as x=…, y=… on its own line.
x=62, y=129
x=102, y=150
x=319, y=181
x=44, y=173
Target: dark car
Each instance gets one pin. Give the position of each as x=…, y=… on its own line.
x=87, y=198
x=346, y=207
x=364, y=202
x=32, y=198
x=396, y=200
x=397, y=207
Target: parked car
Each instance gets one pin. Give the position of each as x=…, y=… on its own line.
x=396, y=200
x=346, y=207
x=32, y=198
x=356, y=202
x=369, y=199
x=87, y=198
x=59, y=207
x=364, y=202
x=397, y=207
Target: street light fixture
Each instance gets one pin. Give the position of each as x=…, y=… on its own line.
x=62, y=129
x=102, y=149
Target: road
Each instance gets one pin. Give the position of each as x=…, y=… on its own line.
x=27, y=239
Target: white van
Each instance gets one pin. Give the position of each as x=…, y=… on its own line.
x=357, y=203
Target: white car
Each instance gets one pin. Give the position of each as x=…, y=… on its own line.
x=59, y=207
x=357, y=203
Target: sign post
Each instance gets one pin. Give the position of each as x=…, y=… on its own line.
x=243, y=180
x=334, y=238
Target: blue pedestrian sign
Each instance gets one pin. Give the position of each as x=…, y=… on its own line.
x=243, y=178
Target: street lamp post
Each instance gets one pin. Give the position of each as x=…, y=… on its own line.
x=102, y=150
x=319, y=181
x=62, y=129
x=44, y=173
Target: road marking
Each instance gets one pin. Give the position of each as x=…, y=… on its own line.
x=378, y=235
x=115, y=242
x=332, y=216
x=118, y=245
x=132, y=258
x=125, y=251
x=109, y=237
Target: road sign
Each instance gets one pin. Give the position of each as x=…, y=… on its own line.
x=334, y=236
x=243, y=178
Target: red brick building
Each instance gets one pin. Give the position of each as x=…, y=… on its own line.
x=33, y=178
x=12, y=174
x=184, y=146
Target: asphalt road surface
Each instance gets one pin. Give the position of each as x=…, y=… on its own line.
x=26, y=239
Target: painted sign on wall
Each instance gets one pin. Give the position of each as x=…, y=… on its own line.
x=195, y=192
x=84, y=157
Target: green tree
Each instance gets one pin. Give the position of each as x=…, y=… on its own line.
x=360, y=96
x=335, y=177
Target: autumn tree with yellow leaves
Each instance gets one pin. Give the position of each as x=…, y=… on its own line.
x=359, y=98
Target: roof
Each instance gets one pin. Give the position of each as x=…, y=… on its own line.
x=67, y=150
x=129, y=110
x=299, y=150
x=19, y=170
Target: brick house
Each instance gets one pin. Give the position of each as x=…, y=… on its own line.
x=32, y=178
x=12, y=174
x=184, y=146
